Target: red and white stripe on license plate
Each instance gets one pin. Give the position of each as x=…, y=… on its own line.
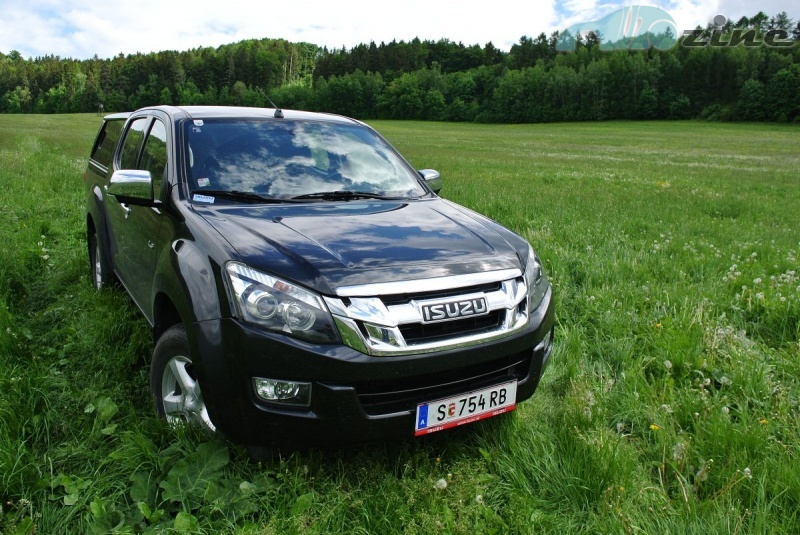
x=465, y=408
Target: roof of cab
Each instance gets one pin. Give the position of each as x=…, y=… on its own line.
x=239, y=112
x=117, y=116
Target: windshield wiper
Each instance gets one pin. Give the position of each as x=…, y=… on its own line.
x=246, y=196
x=345, y=195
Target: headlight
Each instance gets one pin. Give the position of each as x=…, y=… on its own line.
x=279, y=305
x=536, y=281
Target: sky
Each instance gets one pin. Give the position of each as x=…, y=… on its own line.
x=81, y=29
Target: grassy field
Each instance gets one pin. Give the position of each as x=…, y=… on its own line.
x=672, y=404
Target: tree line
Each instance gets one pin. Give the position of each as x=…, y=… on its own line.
x=443, y=80
x=238, y=73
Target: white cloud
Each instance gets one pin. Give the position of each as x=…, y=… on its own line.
x=689, y=14
x=81, y=28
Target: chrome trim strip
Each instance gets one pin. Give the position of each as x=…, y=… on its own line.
x=382, y=349
x=100, y=168
x=427, y=285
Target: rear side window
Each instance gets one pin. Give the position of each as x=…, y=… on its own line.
x=132, y=143
x=103, y=151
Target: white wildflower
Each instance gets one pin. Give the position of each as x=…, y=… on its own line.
x=679, y=451
x=441, y=484
x=705, y=468
x=747, y=473
x=668, y=364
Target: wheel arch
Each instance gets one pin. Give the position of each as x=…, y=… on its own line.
x=165, y=315
x=96, y=223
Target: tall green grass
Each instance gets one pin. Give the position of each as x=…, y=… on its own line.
x=671, y=405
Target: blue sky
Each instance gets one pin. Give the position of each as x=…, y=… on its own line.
x=83, y=28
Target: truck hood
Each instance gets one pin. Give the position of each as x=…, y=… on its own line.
x=328, y=245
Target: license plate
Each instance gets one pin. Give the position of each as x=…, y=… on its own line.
x=465, y=408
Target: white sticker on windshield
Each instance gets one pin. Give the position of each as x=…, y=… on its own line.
x=203, y=182
x=203, y=198
x=198, y=122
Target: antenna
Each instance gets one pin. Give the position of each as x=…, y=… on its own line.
x=278, y=113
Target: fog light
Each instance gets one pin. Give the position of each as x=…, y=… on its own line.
x=288, y=392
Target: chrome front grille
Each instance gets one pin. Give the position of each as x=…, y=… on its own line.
x=415, y=333
x=432, y=314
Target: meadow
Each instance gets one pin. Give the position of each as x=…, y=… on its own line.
x=671, y=405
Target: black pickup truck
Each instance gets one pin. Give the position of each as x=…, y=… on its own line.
x=305, y=285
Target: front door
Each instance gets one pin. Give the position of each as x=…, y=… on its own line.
x=136, y=230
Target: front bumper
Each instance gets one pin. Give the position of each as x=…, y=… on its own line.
x=355, y=398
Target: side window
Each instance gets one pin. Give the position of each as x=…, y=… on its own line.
x=154, y=155
x=103, y=151
x=133, y=140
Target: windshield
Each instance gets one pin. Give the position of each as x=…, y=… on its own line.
x=282, y=159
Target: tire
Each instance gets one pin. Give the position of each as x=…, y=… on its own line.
x=99, y=269
x=173, y=382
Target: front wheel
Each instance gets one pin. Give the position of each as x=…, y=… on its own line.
x=173, y=381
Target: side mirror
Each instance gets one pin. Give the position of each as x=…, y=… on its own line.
x=432, y=178
x=132, y=186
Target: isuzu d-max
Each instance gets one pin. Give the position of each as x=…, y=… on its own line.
x=305, y=285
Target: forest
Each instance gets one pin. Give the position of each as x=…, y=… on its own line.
x=702, y=76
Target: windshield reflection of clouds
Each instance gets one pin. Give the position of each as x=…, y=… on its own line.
x=296, y=158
